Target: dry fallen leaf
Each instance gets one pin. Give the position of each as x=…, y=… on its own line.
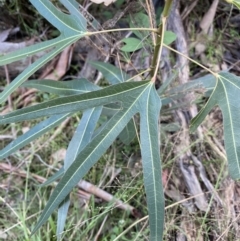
x=106, y=2
x=60, y=67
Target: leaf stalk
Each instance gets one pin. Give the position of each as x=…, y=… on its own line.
x=159, y=42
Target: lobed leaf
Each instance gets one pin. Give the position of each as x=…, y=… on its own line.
x=112, y=74
x=124, y=92
x=77, y=86
x=53, y=178
x=32, y=134
x=224, y=95
x=73, y=8
x=70, y=29
x=85, y=160
x=150, y=150
x=35, y=66
x=63, y=22
x=128, y=133
x=81, y=138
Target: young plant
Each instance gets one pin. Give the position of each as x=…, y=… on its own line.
x=123, y=98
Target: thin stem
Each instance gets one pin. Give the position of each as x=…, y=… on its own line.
x=121, y=29
x=152, y=18
x=156, y=51
x=192, y=60
x=159, y=52
x=159, y=43
x=167, y=7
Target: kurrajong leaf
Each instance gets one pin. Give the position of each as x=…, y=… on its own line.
x=143, y=100
x=129, y=98
x=135, y=97
x=110, y=72
x=70, y=31
x=32, y=134
x=73, y=103
x=82, y=136
x=77, y=86
x=224, y=95
x=128, y=133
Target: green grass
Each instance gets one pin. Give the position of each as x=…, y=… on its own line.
x=25, y=200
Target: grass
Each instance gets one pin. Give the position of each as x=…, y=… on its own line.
x=24, y=200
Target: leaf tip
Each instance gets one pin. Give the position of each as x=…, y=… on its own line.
x=193, y=126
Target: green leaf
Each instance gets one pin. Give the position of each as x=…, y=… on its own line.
x=111, y=109
x=85, y=160
x=70, y=29
x=112, y=74
x=171, y=127
x=32, y=134
x=77, y=86
x=140, y=20
x=123, y=99
x=169, y=37
x=81, y=138
x=165, y=85
x=131, y=44
x=128, y=133
x=33, y=68
x=93, y=21
x=73, y=8
x=53, y=178
x=62, y=216
x=147, y=103
x=82, y=135
x=31, y=50
x=63, y=22
x=205, y=83
x=224, y=95
x=112, y=94
x=150, y=150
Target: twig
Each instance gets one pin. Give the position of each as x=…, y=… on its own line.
x=84, y=185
